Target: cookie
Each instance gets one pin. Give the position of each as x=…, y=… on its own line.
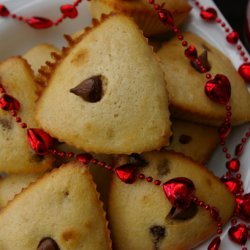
x=143, y=13
x=12, y=185
x=17, y=156
x=185, y=84
x=112, y=92
x=39, y=55
x=142, y=217
x=195, y=140
x=59, y=211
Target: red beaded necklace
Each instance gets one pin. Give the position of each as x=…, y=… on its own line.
x=42, y=143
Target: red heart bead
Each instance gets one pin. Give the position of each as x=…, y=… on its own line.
x=244, y=71
x=9, y=103
x=233, y=165
x=232, y=184
x=126, y=173
x=215, y=244
x=191, y=53
x=39, y=140
x=218, y=89
x=179, y=191
x=40, y=22
x=4, y=12
x=209, y=14
x=69, y=10
x=232, y=37
x=238, y=234
x=243, y=207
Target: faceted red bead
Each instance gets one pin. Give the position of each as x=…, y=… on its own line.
x=166, y=17
x=84, y=158
x=69, y=10
x=214, y=213
x=224, y=130
x=243, y=207
x=244, y=71
x=209, y=14
x=40, y=22
x=238, y=234
x=179, y=191
x=126, y=173
x=4, y=12
x=232, y=184
x=233, y=165
x=233, y=37
x=9, y=103
x=215, y=244
x=39, y=140
x=218, y=89
x=239, y=150
x=191, y=53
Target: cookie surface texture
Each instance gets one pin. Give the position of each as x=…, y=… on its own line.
x=140, y=214
x=107, y=95
x=61, y=209
x=16, y=155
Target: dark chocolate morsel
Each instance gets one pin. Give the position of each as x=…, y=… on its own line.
x=47, y=244
x=158, y=232
x=185, y=139
x=90, y=89
x=6, y=124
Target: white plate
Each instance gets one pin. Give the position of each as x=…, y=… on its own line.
x=16, y=38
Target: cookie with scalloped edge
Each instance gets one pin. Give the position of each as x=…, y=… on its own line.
x=195, y=140
x=61, y=211
x=107, y=94
x=16, y=155
x=185, y=84
x=143, y=13
x=141, y=215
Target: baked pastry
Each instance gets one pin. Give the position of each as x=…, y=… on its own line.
x=61, y=211
x=16, y=156
x=195, y=140
x=112, y=92
x=185, y=84
x=142, y=216
x=142, y=12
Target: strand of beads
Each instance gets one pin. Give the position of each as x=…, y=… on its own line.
x=67, y=10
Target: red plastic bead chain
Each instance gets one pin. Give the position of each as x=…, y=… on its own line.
x=67, y=10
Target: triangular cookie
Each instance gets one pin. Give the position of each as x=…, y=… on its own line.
x=140, y=214
x=62, y=208
x=16, y=155
x=107, y=93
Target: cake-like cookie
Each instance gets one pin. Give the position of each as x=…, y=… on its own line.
x=112, y=92
x=59, y=211
x=12, y=185
x=195, y=140
x=142, y=12
x=185, y=84
x=16, y=155
x=141, y=217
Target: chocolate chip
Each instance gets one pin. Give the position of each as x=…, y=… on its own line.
x=90, y=89
x=185, y=139
x=47, y=244
x=138, y=160
x=203, y=58
x=158, y=233
x=6, y=124
x=163, y=167
x=183, y=214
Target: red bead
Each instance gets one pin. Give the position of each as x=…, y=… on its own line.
x=224, y=130
x=244, y=71
x=209, y=14
x=39, y=140
x=233, y=165
x=166, y=17
x=39, y=22
x=184, y=43
x=70, y=154
x=126, y=173
x=179, y=191
x=191, y=53
x=232, y=37
x=101, y=164
x=232, y=184
x=214, y=213
x=243, y=207
x=9, y=103
x=141, y=176
x=4, y=12
x=239, y=150
x=238, y=234
x=218, y=89
x=149, y=179
x=157, y=182
x=215, y=244
x=84, y=158
x=69, y=10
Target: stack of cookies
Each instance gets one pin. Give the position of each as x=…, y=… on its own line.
x=111, y=95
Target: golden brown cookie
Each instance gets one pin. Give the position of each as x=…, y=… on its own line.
x=112, y=92
x=141, y=217
x=61, y=209
x=186, y=85
x=16, y=155
x=142, y=12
